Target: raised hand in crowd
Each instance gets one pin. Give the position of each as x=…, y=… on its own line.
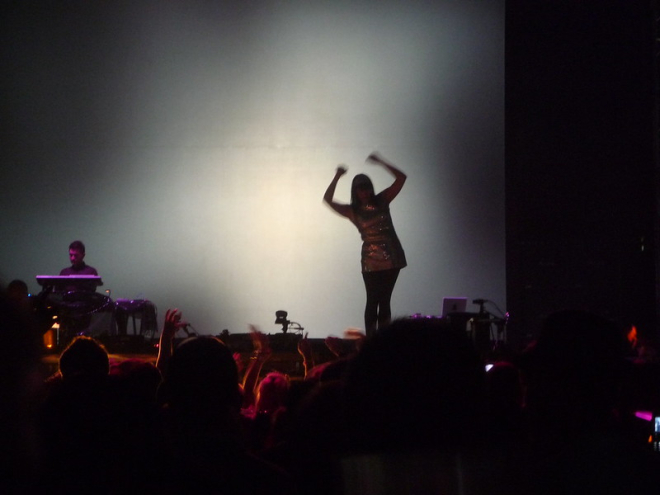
x=172, y=324
x=357, y=335
x=260, y=355
x=305, y=350
x=335, y=345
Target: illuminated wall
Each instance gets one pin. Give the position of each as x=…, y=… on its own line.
x=188, y=144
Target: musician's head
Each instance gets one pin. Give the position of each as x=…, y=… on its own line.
x=76, y=252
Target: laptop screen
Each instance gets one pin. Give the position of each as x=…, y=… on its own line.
x=453, y=305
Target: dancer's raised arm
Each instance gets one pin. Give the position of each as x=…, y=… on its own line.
x=399, y=177
x=328, y=197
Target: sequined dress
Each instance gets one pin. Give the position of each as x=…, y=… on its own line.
x=381, y=248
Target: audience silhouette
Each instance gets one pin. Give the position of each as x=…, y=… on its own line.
x=202, y=400
x=75, y=419
x=573, y=376
x=410, y=409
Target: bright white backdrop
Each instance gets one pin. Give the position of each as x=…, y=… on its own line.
x=188, y=144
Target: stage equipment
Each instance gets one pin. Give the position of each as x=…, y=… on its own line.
x=73, y=311
x=79, y=303
x=136, y=309
x=453, y=305
x=487, y=330
x=281, y=319
x=72, y=300
x=68, y=283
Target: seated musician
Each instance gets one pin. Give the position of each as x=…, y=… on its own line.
x=76, y=302
x=79, y=267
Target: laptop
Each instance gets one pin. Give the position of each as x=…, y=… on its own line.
x=453, y=305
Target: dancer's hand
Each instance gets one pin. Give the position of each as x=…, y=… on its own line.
x=375, y=158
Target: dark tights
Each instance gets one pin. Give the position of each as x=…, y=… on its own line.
x=379, y=285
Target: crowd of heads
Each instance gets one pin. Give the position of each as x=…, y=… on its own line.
x=412, y=409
